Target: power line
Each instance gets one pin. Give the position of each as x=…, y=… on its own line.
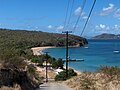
x=70, y=12
x=66, y=14
x=88, y=17
x=83, y=5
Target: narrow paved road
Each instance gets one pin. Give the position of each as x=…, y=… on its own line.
x=54, y=86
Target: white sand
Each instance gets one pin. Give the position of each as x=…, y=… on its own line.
x=39, y=50
x=77, y=71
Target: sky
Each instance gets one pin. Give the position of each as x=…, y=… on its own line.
x=49, y=16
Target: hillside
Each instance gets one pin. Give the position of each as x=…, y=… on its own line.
x=106, y=78
x=107, y=36
x=28, y=39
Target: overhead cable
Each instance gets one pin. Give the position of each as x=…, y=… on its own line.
x=80, y=14
x=88, y=17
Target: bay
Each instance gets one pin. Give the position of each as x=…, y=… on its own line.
x=96, y=53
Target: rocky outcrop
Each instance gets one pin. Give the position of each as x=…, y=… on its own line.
x=10, y=77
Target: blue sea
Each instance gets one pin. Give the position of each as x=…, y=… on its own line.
x=95, y=54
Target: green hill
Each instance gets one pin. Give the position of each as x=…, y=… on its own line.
x=28, y=39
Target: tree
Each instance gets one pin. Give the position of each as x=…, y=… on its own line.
x=58, y=63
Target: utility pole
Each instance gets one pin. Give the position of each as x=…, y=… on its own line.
x=46, y=53
x=67, y=32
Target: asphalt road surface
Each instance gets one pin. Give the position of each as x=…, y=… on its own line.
x=53, y=86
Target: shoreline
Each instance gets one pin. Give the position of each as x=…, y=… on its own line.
x=77, y=71
x=39, y=50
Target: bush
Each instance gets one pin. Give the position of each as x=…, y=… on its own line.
x=58, y=63
x=110, y=71
x=31, y=69
x=62, y=75
x=35, y=60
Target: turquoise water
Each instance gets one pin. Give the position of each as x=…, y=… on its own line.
x=99, y=52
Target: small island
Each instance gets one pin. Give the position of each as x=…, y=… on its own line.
x=107, y=36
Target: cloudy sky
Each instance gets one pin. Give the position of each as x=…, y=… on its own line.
x=49, y=16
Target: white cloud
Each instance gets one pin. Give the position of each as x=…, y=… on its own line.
x=116, y=27
x=60, y=27
x=102, y=26
x=107, y=10
x=78, y=12
x=50, y=26
x=85, y=17
x=111, y=6
x=117, y=13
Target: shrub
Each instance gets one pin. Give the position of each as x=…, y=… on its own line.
x=35, y=60
x=31, y=69
x=62, y=75
x=87, y=81
x=58, y=63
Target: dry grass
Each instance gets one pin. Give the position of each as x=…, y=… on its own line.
x=93, y=81
x=51, y=73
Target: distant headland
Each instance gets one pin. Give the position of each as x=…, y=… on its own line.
x=107, y=36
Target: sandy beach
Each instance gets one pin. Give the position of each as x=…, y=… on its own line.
x=39, y=50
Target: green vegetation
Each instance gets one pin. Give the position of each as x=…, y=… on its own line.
x=15, y=46
x=58, y=63
x=62, y=75
x=26, y=39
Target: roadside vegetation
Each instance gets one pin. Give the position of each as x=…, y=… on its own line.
x=106, y=78
x=62, y=75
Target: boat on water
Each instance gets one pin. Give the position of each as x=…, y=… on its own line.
x=116, y=51
x=86, y=47
x=73, y=60
x=78, y=60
